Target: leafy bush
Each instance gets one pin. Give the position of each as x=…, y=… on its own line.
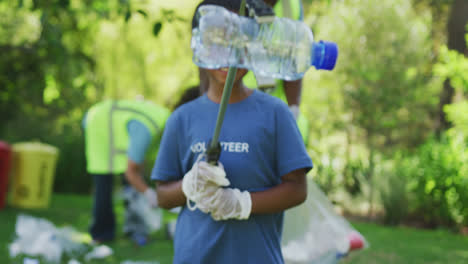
x=353, y=176
x=325, y=177
x=436, y=182
x=394, y=196
x=71, y=175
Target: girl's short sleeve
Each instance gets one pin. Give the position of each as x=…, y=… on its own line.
x=291, y=153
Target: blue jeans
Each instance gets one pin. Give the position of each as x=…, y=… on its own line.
x=103, y=223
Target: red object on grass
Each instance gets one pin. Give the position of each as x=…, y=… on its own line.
x=5, y=158
x=355, y=242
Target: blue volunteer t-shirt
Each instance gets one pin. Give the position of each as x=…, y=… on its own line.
x=260, y=143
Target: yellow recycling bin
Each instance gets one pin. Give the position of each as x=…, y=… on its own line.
x=33, y=174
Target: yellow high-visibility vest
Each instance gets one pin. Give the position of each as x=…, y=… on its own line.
x=106, y=135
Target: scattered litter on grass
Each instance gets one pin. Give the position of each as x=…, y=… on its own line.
x=314, y=233
x=99, y=252
x=30, y=261
x=40, y=238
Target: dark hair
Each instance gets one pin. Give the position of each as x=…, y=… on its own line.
x=233, y=5
x=188, y=95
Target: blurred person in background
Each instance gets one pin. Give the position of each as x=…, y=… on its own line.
x=119, y=136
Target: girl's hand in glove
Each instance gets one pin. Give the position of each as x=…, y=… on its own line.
x=202, y=182
x=229, y=203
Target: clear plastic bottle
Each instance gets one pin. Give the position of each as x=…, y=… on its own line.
x=283, y=49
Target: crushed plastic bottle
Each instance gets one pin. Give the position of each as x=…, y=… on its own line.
x=283, y=49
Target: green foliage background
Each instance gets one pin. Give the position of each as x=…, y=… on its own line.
x=373, y=117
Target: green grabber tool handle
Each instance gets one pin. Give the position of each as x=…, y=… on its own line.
x=214, y=148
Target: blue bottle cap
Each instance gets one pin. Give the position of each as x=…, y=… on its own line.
x=324, y=55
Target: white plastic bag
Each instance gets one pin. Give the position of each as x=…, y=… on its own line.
x=139, y=205
x=314, y=233
x=39, y=237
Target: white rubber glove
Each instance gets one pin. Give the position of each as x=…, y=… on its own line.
x=229, y=203
x=202, y=182
x=151, y=197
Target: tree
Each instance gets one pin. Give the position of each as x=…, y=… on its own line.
x=49, y=72
x=453, y=68
x=383, y=72
x=456, y=31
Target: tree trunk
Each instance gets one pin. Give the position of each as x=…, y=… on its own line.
x=456, y=29
x=370, y=176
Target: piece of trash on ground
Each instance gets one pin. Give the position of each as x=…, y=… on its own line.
x=40, y=238
x=30, y=261
x=99, y=252
x=73, y=261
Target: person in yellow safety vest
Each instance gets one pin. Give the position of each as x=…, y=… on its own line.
x=288, y=91
x=119, y=136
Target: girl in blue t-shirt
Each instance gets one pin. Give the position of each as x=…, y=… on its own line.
x=235, y=214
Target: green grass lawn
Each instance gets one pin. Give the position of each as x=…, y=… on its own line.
x=388, y=244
